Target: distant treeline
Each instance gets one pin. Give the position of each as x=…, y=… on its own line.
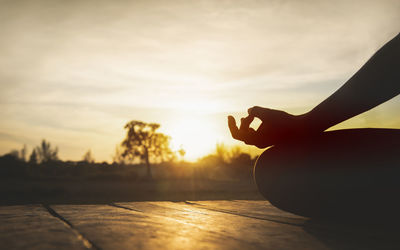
x=144, y=153
x=44, y=164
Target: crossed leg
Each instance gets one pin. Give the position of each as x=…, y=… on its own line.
x=352, y=173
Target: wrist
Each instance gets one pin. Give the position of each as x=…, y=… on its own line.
x=311, y=124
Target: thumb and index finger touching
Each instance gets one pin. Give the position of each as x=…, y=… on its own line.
x=243, y=131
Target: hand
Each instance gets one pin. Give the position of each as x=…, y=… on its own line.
x=276, y=127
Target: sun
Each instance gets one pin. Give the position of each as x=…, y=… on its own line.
x=195, y=134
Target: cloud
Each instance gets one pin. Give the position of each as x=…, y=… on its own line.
x=83, y=67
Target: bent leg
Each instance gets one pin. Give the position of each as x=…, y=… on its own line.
x=352, y=173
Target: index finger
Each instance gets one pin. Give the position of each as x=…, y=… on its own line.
x=259, y=112
x=245, y=122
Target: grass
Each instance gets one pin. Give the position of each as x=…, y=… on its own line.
x=100, y=191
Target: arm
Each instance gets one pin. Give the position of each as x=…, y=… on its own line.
x=376, y=82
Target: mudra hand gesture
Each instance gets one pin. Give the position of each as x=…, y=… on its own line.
x=276, y=127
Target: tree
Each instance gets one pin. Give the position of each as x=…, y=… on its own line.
x=22, y=153
x=19, y=154
x=144, y=143
x=45, y=153
x=88, y=157
x=14, y=153
x=181, y=152
x=118, y=158
x=221, y=151
x=33, y=159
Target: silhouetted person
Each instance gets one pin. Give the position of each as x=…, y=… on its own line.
x=350, y=172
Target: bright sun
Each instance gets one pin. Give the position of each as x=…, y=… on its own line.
x=196, y=135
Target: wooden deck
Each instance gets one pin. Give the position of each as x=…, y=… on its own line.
x=179, y=225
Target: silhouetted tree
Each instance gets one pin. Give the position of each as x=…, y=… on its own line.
x=181, y=153
x=19, y=154
x=88, y=157
x=242, y=159
x=14, y=153
x=33, y=159
x=234, y=153
x=118, y=157
x=22, y=153
x=143, y=142
x=222, y=152
x=45, y=153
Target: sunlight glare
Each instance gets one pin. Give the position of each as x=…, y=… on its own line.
x=195, y=134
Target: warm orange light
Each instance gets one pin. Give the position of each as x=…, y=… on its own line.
x=195, y=134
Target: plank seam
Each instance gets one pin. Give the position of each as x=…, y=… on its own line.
x=314, y=226
x=128, y=208
x=86, y=242
x=238, y=214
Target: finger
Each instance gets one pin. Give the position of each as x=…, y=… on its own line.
x=245, y=123
x=258, y=112
x=233, y=128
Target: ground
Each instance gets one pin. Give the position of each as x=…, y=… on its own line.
x=218, y=224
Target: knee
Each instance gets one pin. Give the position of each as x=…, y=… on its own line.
x=278, y=178
x=261, y=167
x=268, y=173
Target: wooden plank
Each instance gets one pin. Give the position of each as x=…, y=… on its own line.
x=342, y=234
x=150, y=225
x=256, y=209
x=112, y=227
x=33, y=227
x=254, y=233
x=267, y=234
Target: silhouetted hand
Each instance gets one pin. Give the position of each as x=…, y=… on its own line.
x=276, y=127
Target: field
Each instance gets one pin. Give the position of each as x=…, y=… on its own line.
x=87, y=183
x=95, y=191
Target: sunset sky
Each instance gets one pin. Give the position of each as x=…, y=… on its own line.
x=74, y=72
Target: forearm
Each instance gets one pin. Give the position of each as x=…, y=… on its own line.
x=376, y=82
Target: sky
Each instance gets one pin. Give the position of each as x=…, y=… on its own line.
x=75, y=72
